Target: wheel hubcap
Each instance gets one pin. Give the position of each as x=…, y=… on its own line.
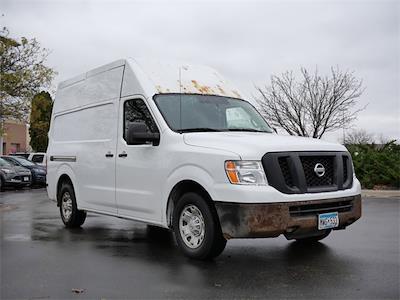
x=191, y=226
x=66, y=206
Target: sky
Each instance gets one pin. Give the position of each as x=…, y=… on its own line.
x=246, y=41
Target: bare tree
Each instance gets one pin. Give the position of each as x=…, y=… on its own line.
x=383, y=140
x=358, y=137
x=312, y=105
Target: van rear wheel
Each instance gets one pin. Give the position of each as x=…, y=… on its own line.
x=197, y=228
x=71, y=216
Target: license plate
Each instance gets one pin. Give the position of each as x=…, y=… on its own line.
x=328, y=220
x=26, y=178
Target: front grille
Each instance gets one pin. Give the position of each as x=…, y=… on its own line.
x=312, y=179
x=308, y=172
x=284, y=164
x=315, y=209
x=345, y=167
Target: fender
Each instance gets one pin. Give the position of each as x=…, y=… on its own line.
x=191, y=172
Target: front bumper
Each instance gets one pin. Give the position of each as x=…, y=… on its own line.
x=293, y=219
x=39, y=179
x=18, y=180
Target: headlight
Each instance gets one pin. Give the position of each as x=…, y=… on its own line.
x=245, y=172
x=7, y=171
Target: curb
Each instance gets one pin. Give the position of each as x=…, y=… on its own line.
x=381, y=193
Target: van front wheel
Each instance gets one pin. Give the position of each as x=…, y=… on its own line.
x=196, y=228
x=71, y=216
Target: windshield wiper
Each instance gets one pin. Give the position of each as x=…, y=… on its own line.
x=246, y=129
x=198, y=129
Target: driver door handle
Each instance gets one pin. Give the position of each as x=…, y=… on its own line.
x=123, y=154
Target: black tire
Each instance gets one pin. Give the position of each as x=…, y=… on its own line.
x=213, y=242
x=76, y=217
x=313, y=239
x=1, y=184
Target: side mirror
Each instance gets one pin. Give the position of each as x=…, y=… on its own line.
x=139, y=134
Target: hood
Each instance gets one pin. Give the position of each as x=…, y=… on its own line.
x=253, y=145
x=17, y=169
x=35, y=167
x=38, y=169
x=11, y=168
x=22, y=170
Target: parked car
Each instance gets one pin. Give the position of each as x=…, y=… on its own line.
x=38, y=172
x=177, y=146
x=21, y=154
x=38, y=158
x=11, y=175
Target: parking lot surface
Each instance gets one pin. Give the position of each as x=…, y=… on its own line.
x=113, y=258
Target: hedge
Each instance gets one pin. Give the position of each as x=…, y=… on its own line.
x=377, y=164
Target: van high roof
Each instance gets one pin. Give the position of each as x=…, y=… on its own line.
x=130, y=76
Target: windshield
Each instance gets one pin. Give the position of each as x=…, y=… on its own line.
x=189, y=113
x=24, y=162
x=4, y=163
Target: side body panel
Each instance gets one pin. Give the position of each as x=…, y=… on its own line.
x=83, y=135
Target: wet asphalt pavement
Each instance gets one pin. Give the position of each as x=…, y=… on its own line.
x=113, y=258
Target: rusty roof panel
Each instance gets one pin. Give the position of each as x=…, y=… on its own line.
x=175, y=77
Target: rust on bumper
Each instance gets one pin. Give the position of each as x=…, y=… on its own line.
x=293, y=219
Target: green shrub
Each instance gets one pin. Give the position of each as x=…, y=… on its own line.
x=376, y=164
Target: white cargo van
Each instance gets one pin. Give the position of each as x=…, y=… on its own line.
x=175, y=145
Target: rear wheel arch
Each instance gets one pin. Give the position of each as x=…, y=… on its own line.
x=71, y=216
x=64, y=178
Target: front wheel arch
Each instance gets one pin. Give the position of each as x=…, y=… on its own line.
x=179, y=190
x=202, y=226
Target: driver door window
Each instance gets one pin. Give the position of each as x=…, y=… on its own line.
x=136, y=111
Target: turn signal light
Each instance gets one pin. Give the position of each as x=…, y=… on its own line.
x=245, y=172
